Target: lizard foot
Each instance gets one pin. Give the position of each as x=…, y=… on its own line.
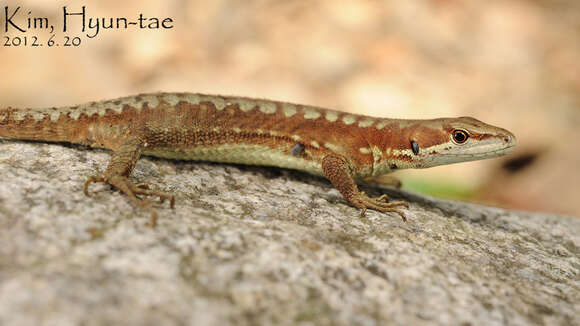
x=132, y=190
x=380, y=204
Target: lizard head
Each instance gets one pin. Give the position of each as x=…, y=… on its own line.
x=427, y=143
x=453, y=140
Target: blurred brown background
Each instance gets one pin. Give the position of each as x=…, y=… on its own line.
x=515, y=64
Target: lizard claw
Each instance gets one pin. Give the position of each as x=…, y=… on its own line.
x=363, y=212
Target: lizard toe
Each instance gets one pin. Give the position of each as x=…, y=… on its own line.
x=379, y=204
x=145, y=190
x=90, y=180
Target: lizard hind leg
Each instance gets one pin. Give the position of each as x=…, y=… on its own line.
x=122, y=163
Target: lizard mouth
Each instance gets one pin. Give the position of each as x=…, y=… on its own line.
x=495, y=153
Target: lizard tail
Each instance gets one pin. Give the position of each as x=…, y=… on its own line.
x=44, y=125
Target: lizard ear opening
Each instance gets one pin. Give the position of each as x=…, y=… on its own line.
x=415, y=147
x=297, y=150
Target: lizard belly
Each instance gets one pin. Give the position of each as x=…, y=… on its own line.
x=242, y=154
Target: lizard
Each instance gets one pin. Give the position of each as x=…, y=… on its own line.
x=343, y=147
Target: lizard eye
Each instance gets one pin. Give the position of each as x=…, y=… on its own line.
x=460, y=136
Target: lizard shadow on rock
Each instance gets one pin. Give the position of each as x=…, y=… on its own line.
x=64, y=144
x=272, y=173
x=470, y=212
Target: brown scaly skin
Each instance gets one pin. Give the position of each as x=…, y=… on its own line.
x=341, y=146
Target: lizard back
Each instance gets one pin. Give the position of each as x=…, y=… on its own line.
x=198, y=127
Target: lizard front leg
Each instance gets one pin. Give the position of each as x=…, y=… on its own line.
x=117, y=174
x=338, y=171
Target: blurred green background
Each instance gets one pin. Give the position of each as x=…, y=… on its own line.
x=515, y=64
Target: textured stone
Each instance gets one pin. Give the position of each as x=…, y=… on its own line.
x=250, y=245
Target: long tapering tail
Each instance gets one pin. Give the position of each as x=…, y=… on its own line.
x=51, y=125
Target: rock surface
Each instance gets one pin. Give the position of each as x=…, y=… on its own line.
x=248, y=245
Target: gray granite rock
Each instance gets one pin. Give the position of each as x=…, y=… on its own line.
x=249, y=245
